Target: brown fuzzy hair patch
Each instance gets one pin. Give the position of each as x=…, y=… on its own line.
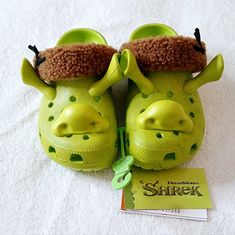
x=168, y=54
x=73, y=61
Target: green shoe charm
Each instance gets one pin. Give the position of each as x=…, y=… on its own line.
x=122, y=167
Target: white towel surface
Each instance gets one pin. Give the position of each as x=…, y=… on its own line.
x=38, y=196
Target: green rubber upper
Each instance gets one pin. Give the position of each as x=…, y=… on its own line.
x=77, y=128
x=164, y=121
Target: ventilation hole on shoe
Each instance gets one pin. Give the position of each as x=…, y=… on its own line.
x=144, y=96
x=76, y=158
x=169, y=157
x=176, y=132
x=191, y=100
x=142, y=110
x=159, y=135
x=72, y=98
x=51, y=149
x=100, y=114
x=50, y=104
x=193, y=148
x=51, y=118
x=39, y=134
x=85, y=137
x=69, y=136
x=169, y=94
x=192, y=114
x=97, y=98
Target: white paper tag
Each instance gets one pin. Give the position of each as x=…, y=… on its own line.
x=190, y=214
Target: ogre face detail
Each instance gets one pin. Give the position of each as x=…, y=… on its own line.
x=77, y=128
x=168, y=127
x=165, y=121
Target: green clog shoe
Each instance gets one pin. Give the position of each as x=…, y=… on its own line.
x=164, y=120
x=77, y=122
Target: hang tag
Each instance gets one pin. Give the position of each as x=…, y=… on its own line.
x=178, y=188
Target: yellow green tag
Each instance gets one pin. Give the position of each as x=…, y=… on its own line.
x=170, y=189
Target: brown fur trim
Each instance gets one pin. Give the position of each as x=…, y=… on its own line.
x=169, y=54
x=70, y=61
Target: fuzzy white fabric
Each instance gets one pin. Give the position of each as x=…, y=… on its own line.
x=38, y=196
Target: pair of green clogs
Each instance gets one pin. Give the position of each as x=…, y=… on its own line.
x=164, y=118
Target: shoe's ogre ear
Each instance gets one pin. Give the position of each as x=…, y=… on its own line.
x=113, y=75
x=82, y=35
x=121, y=66
x=212, y=72
x=128, y=61
x=30, y=77
x=131, y=70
